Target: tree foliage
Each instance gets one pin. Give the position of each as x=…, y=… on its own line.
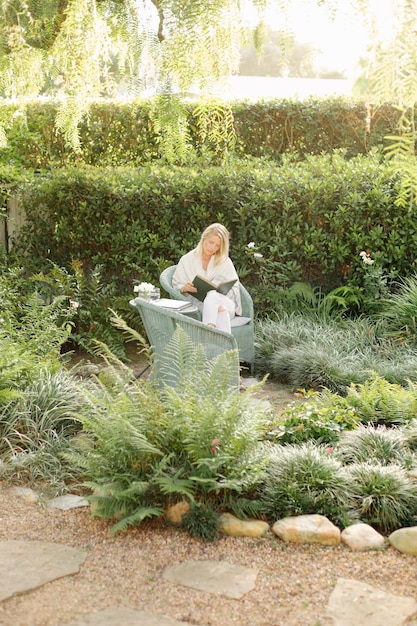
x=81, y=50
x=78, y=51
x=392, y=77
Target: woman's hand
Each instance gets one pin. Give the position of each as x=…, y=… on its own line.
x=188, y=288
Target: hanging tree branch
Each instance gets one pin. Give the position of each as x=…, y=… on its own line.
x=161, y=19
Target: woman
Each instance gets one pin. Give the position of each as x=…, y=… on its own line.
x=210, y=259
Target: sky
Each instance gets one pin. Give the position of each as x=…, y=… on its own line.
x=343, y=40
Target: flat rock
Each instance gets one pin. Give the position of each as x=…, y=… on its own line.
x=404, y=540
x=354, y=603
x=362, y=537
x=67, y=502
x=25, y=565
x=307, y=529
x=235, y=527
x=25, y=493
x=233, y=581
x=119, y=616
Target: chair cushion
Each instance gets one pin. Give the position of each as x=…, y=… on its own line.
x=239, y=320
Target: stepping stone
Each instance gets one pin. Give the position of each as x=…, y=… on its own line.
x=250, y=381
x=25, y=565
x=24, y=492
x=119, y=616
x=67, y=502
x=221, y=577
x=353, y=603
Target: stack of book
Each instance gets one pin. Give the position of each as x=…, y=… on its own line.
x=173, y=305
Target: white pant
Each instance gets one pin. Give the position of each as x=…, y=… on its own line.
x=211, y=313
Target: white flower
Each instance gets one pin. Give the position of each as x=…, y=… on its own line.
x=251, y=244
x=366, y=258
x=258, y=255
x=143, y=288
x=73, y=304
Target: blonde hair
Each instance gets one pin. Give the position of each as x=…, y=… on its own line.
x=223, y=234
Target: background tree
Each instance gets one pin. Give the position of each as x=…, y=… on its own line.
x=281, y=56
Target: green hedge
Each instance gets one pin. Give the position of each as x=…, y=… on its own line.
x=308, y=219
x=120, y=134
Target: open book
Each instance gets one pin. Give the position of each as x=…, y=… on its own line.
x=203, y=286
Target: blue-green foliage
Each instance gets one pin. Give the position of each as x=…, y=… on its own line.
x=312, y=352
x=305, y=479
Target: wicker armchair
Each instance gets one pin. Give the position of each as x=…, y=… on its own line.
x=244, y=334
x=160, y=325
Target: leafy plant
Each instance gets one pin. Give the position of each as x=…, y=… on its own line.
x=385, y=496
x=381, y=402
x=305, y=479
x=310, y=421
x=376, y=284
x=42, y=327
x=89, y=297
x=307, y=352
x=216, y=427
x=409, y=432
x=199, y=439
x=303, y=297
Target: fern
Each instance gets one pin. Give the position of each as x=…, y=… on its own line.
x=89, y=298
x=136, y=518
x=214, y=425
x=182, y=365
x=169, y=485
x=146, y=445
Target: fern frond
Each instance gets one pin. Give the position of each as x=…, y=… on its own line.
x=243, y=507
x=130, y=333
x=169, y=485
x=304, y=291
x=182, y=359
x=135, y=519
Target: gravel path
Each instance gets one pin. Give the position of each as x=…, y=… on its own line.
x=292, y=588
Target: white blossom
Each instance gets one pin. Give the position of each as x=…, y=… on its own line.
x=258, y=255
x=366, y=258
x=251, y=244
x=74, y=304
x=143, y=288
